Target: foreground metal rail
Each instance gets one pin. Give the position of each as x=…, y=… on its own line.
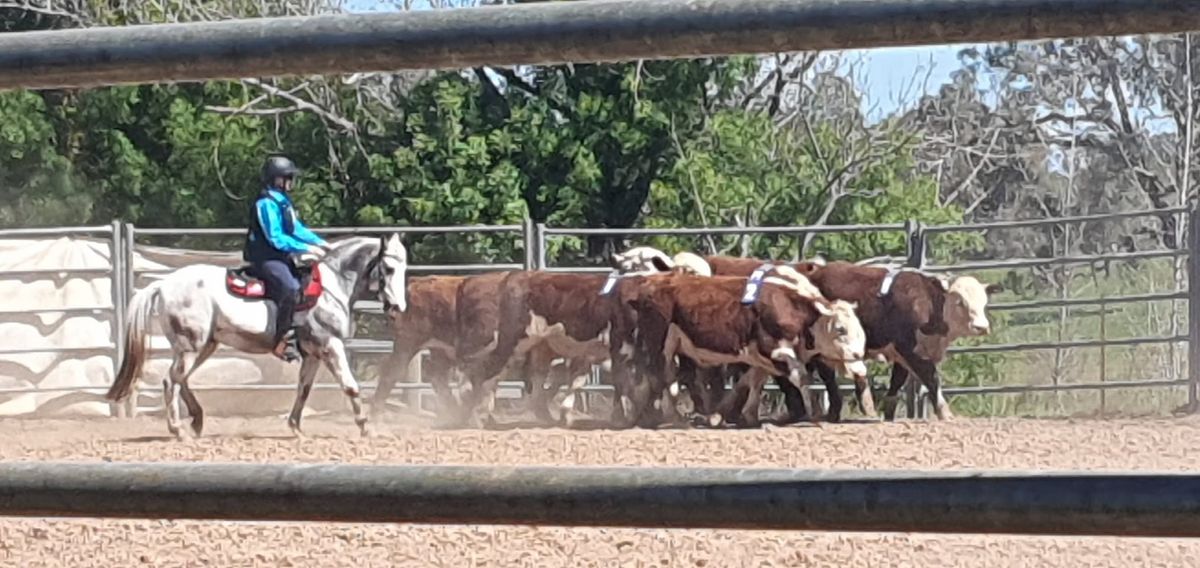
x=549, y=33
x=1161, y=505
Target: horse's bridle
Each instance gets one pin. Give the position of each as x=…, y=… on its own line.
x=380, y=275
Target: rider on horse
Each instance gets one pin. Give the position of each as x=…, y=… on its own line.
x=274, y=236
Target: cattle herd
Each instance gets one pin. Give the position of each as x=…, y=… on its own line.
x=661, y=325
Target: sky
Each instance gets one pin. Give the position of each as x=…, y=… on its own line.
x=886, y=78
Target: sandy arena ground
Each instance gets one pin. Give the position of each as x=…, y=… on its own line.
x=1160, y=444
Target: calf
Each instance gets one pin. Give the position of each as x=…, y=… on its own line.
x=706, y=321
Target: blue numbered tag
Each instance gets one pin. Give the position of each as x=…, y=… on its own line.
x=610, y=283
x=754, y=284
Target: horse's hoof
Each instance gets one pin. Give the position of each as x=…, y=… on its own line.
x=197, y=426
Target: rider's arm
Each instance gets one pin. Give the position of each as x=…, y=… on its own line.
x=270, y=218
x=305, y=235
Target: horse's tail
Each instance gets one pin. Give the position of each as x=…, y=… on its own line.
x=138, y=321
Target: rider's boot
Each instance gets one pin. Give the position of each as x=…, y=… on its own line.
x=288, y=348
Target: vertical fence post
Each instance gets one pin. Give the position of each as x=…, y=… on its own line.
x=129, y=286
x=116, y=262
x=1193, y=285
x=914, y=232
x=529, y=240
x=539, y=260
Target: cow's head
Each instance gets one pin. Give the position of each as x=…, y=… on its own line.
x=690, y=263
x=642, y=260
x=839, y=338
x=966, y=307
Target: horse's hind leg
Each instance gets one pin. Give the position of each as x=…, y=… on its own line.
x=185, y=389
x=172, y=386
x=339, y=365
x=308, y=374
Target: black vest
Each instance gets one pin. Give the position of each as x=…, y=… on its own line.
x=257, y=248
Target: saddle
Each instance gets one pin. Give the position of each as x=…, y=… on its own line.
x=240, y=283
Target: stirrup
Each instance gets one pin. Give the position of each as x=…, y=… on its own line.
x=291, y=350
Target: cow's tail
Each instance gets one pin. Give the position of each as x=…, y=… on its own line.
x=141, y=308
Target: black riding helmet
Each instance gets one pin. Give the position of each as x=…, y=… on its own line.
x=278, y=166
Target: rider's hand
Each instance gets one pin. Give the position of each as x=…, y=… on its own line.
x=316, y=251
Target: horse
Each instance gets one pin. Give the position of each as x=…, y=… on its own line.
x=202, y=306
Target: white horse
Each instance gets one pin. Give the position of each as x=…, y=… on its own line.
x=198, y=312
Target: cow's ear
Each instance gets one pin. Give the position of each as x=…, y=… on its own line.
x=853, y=305
x=822, y=308
x=945, y=282
x=993, y=288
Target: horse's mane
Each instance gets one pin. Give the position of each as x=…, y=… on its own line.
x=344, y=250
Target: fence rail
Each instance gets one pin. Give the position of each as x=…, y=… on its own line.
x=1050, y=503
x=533, y=238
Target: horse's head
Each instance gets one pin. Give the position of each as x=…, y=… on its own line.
x=369, y=266
x=391, y=272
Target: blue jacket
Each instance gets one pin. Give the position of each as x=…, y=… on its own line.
x=275, y=231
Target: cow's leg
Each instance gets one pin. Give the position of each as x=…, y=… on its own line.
x=864, y=398
x=729, y=408
x=793, y=399
x=755, y=380
x=539, y=366
x=443, y=368
x=694, y=380
x=927, y=371
x=829, y=379
x=579, y=371
x=899, y=377
x=395, y=368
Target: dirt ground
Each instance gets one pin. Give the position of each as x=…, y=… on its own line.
x=1148, y=444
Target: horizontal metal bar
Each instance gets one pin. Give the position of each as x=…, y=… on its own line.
x=412, y=268
x=1023, y=223
x=549, y=33
x=81, y=349
x=1161, y=296
x=1080, y=259
x=1013, y=347
x=685, y=231
x=605, y=388
x=1019, y=389
x=79, y=271
x=55, y=231
x=1012, y=502
x=66, y=310
x=235, y=231
x=448, y=268
x=579, y=269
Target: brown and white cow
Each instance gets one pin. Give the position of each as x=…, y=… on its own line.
x=566, y=316
x=910, y=318
x=706, y=322
x=427, y=323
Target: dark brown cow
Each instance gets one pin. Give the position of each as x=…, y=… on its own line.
x=705, y=321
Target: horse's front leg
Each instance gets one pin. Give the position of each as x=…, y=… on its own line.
x=339, y=364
